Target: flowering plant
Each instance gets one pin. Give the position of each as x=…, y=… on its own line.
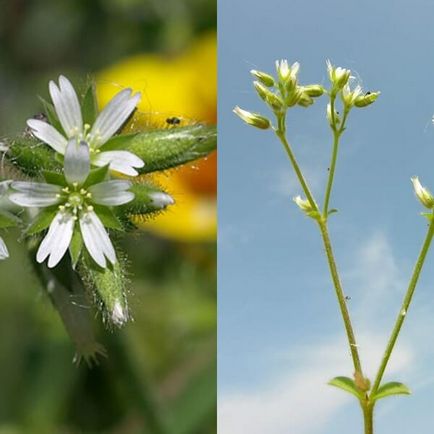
x=344, y=95
x=71, y=182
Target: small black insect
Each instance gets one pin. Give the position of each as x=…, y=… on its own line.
x=173, y=121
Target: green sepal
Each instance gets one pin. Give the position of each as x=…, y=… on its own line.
x=96, y=176
x=31, y=156
x=347, y=384
x=107, y=286
x=42, y=221
x=89, y=106
x=8, y=220
x=108, y=218
x=166, y=148
x=143, y=203
x=428, y=215
x=75, y=247
x=54, y=178
x=390, y=389
x=51, y=114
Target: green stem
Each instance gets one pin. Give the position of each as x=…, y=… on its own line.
x=368, y=417
x=404, y=308
x=336, y=137
x=341, y=297
x=281, y=133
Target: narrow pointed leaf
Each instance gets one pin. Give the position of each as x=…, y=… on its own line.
x=54, y=177
x=42, y=220
x=89, y=107
x=347, y=384
x=96, y=176
x=51, y=114
x=390, y=389
x=76, y=247
x=108, y=218
x=8, y=220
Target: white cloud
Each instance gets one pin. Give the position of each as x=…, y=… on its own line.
x=298, y=401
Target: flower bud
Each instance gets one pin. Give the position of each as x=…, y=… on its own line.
x=422, y=193
x=338, y=76
x=349, y=96
x=253, y=119
x=261, y=90
x=366, y=99
x=287, y=74
x=313, y=90
x=264, y=78
x=305, y=100
x=306, y=207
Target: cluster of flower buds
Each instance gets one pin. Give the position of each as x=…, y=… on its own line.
x=279, y=93
x=341, y=80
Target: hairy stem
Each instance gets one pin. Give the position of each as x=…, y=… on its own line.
x=404, y=308
x=337, y=132
x=281, y=133
x=341, y=297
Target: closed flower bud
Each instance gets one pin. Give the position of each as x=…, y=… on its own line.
x=313, y=90
x=253, y=119
x=306, y=207
x=264, y=78
x=366, y=99
x=274, y=101
x=305, y=100
x=261, y=90
x=422, y=193
x=349, y=97
x=338, y=76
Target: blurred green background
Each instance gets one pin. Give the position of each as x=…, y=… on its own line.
x=159, y=376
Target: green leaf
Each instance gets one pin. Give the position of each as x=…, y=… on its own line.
x=166, y=148
x=89, y=106
x=8, y=220
x=75, y=247
x=332, y=211
x=109, y=220
x=347, y=384
x=390, y=389
x=96, y=176
x=42, y=220
x=54, y=177
x=51, y=114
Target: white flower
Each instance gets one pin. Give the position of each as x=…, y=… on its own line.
x=108, y=122
x=286, y=72
x=4, y=254
x=337, y=75
x=349, y=95
x=75, y=204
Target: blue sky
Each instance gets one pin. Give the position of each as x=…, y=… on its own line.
x=280, y=335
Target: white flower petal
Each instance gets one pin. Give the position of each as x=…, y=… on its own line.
x=71, y=100
x=48, y=134
x=96, y=239
x=56, y=242
x=3, y=250
x=65, y=103
x=77, y=162
x=120, y=161
x=114, y=114
x=34, y=194
x=111, y=193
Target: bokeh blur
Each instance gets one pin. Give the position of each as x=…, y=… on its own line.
x=159, y=376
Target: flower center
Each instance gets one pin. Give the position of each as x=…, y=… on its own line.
x=76, y=200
